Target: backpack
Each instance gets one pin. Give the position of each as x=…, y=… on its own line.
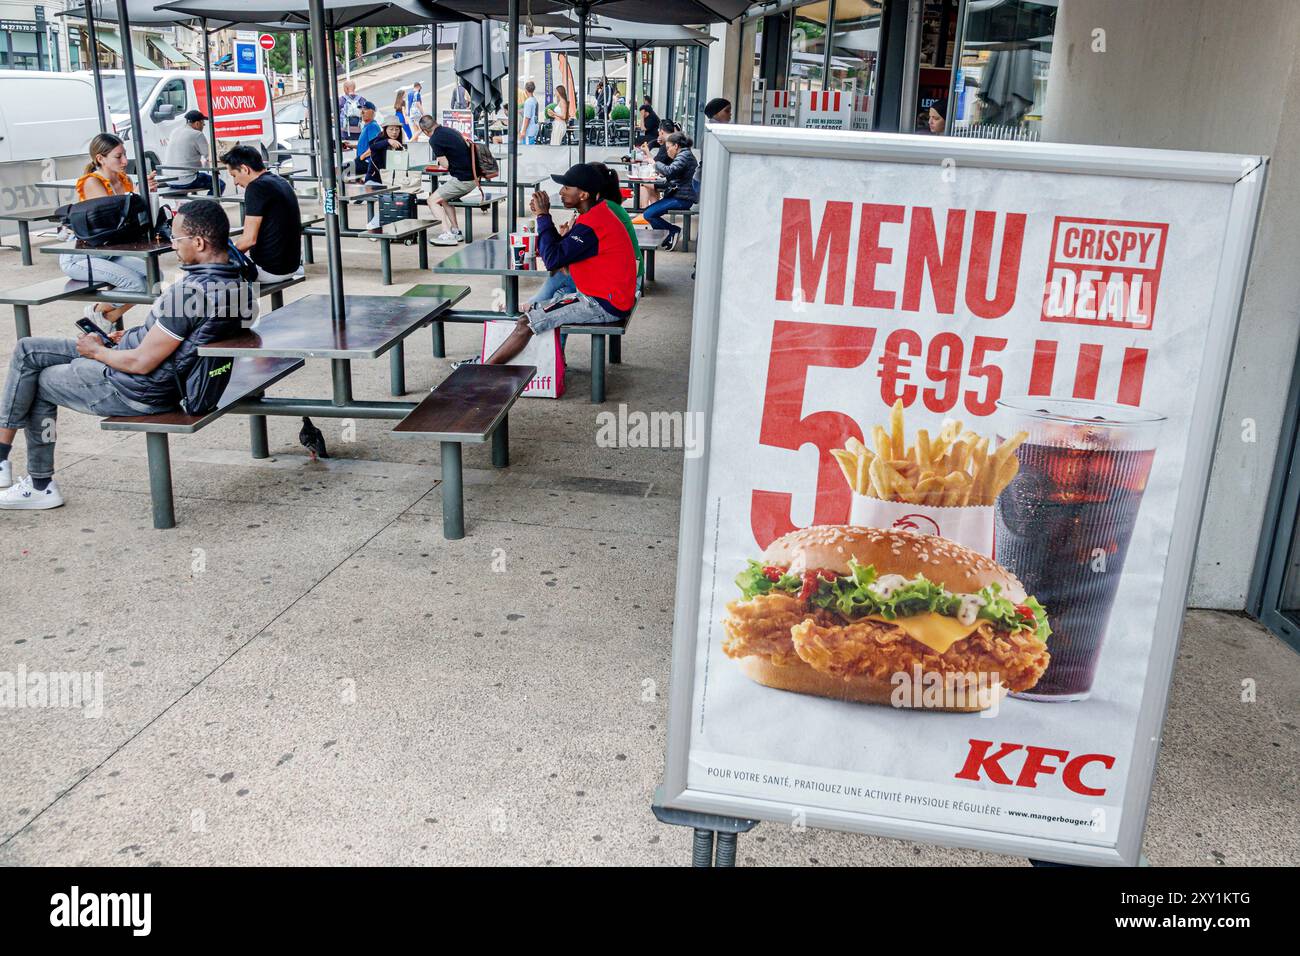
x=206, y=381
x=247, y=267
x=482, y=161
x=107, y=219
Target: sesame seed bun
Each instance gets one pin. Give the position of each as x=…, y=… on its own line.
x=831, y=546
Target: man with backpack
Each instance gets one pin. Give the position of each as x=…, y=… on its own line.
x=152, y=368
x=462, y=178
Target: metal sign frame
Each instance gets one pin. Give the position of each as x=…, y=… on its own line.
x=1245, y=174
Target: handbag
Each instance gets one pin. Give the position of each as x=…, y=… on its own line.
x=107, y=220
x=401, y=172
x=246, y=266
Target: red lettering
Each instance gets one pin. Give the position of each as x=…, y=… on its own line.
x=981, y=254
x=1072, y=774
x=871, y=255
x=1034, y=757
x=977, y=759
x=1070, y=242
x=923, y=256
x=797, y=346
x=796, y=241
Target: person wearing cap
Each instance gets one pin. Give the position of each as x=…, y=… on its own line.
x=369, y=130
x=718, y=110
x=187, y=149
x=597, y=250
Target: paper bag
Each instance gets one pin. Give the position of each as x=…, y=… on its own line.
x=542, y=350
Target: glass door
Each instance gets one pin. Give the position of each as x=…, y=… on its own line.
x=1275, y=591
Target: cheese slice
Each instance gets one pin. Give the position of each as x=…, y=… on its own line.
x=936, y=631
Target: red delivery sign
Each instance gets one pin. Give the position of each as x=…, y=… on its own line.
x=237, y=106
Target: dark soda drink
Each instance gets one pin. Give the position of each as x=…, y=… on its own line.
x=1064, y=524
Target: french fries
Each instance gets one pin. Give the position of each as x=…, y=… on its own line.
x=953, y=468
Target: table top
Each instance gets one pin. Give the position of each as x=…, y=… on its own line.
x=141, y=249
x=372, y=325
x=361, y=192
x=486, y=257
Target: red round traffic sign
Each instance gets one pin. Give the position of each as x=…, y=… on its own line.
x=266, y=41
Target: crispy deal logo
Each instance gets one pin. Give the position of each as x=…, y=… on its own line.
x=1104, y=272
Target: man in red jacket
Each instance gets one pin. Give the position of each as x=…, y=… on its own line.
x=598, y=252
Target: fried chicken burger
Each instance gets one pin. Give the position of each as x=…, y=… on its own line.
x=840, y=611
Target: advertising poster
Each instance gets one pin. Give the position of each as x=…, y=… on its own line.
x=462, y=121
x=779, y=108
x=237, y=106
x=960, y=399
x=825, y=109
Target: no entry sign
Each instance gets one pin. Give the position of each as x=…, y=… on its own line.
x=266, y=41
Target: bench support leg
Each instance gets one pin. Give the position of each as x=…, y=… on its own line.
x=496, y=217
x=160, y=480
x=386, y=260
x=439, y=343
x=597, y=369
x=257, y=439
x=469, y=225
x=422, y=239
x=650, y=265
x=453, y=493
x=616, y=350
x=277, y=300
x=397, y=369
x=25, y=241
x=22, y=321
x=501, y=444
x=686, y=233
x=308, y=253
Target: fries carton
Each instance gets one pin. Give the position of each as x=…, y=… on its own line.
x=970, y=525
x=943, y=484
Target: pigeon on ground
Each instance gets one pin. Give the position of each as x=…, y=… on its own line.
x=312, y=439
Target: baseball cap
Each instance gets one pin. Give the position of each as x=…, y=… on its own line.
x=193, y=116
x=581, y=176
x=367, y=105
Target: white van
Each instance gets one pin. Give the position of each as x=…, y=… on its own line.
x=241, y=106
x=46, y=123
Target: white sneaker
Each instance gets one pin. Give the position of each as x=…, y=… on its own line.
x=92, y=312
x=23, y=497
x=446, y=239
x=6, y=473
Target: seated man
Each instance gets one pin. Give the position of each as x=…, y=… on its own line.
x=140, y=374
x=460, y=182
x=272, y=235
x=187, y=153
x=598, y=251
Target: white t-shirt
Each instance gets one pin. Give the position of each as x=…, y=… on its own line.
x=187, y=147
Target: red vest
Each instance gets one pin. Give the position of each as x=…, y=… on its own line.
x=611, y=273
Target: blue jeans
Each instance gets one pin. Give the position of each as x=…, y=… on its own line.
x=654, y=213
x=126, y=274
x=555, y=284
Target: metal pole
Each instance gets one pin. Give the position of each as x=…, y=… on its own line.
x=329, y=175
x=434, y=71
x=212, y=122
x=830, y=42
x=581, y=97
x=137, y=129
x=333, y=83
x=311, y=113
x=104, y=118
x=512, y=150
x=347, y=53
x=633, y=98
x=293, y=59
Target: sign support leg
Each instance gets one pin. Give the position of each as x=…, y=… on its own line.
x=714, y=840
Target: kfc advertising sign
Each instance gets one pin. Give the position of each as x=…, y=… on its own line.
x=238, y=106
x=960, y=405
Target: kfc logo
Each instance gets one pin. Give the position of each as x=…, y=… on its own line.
x=1034, y=762
x=1104, y=272
x=921, y=524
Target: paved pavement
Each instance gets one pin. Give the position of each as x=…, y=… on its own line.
x=304, y=671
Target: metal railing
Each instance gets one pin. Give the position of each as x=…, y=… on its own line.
x=1004, y=131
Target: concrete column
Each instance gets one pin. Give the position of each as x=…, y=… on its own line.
x=1205, y=75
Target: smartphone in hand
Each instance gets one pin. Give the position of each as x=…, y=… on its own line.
x=90, y=328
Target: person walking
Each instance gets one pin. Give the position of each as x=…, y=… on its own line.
x=561, y=113
x=399, y=113
x=414, y=103
x=105, y=175
x=350, y=114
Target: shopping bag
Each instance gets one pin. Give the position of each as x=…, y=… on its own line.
x=542, y=351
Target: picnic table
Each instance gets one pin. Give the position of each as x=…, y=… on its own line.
x=146, y=249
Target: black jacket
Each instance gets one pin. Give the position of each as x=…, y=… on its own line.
x=679, y=176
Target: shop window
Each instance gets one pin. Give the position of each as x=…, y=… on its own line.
x=1002, y=72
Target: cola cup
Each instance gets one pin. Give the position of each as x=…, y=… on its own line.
x=1064, y=524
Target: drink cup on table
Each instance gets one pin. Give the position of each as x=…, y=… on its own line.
x=1064, y=524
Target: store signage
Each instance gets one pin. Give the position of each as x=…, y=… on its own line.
x=825, y=109
x=960, y=400
x=21, y=26
x=245, y=57
x=779, y=108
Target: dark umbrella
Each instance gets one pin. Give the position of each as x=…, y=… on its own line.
x=481, y=62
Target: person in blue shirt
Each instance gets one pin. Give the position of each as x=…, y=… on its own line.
x=414, y=102
x=369, y=130
x=528, y=135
